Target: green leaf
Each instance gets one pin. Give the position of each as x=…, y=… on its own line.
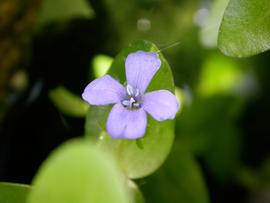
x=179, y=180
x=78, y=172
x=248, y=178
x=209, y=31
x=137, y=194
x=223, y=153
x=220, y=75
x=58, y=10
x=101, y=64
x=265, y=173
x=13, y=193
x=68, y=103
x=136, y=161
x=245, y=29
x=180, y=95
x=217, y=141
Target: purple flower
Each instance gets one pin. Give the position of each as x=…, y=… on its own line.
x=128, y=118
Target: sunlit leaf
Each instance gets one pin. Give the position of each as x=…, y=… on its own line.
x=220, y=75
x=101, y=65
x=68, y=103
x=13, y=193
x=137, y=161
x=245, y=29
x=178, y=181
x=180, y=95
x=78, y=172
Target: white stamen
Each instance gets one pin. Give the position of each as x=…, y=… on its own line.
x=130, y=90
x=126, y=103
x=133, y=95
x=132, y=100
x=137, y=92
x=137, y=105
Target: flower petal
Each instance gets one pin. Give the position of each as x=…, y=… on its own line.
x=104, y=91
x=140, y=68
x=123, y=123
x=161, y=104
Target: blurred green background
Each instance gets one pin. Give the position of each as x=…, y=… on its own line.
x=50, y=49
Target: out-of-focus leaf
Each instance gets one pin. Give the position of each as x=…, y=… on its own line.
x=68, y=103
x=265, y=173
x=79, y=172
x=255, y=180
x=220, y=75
x=249, y=178
x=101, y=65
x=245, y=29
x=217, y=141
x=13, y=193
x=209, y=31
x=136, y=161
x=223, y=153
x=179, y=180
x=180, y=95
x=17, y=20
x=59, y=10
x=136, y=193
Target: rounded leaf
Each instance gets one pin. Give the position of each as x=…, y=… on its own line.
x=245, y=29
x=138, y=158
x=179, y=181
x=13, y=193
x=79, y=172
x=67, y=102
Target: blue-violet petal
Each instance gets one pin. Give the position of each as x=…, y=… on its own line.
x=124, y=123
x=140, y=68
x=104, y=91
x=161, y=104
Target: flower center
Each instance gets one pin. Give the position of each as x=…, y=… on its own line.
x=132, y=101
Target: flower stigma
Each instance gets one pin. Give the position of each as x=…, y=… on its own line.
x=132, y=102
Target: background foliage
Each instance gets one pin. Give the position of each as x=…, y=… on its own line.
x=214, y=52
